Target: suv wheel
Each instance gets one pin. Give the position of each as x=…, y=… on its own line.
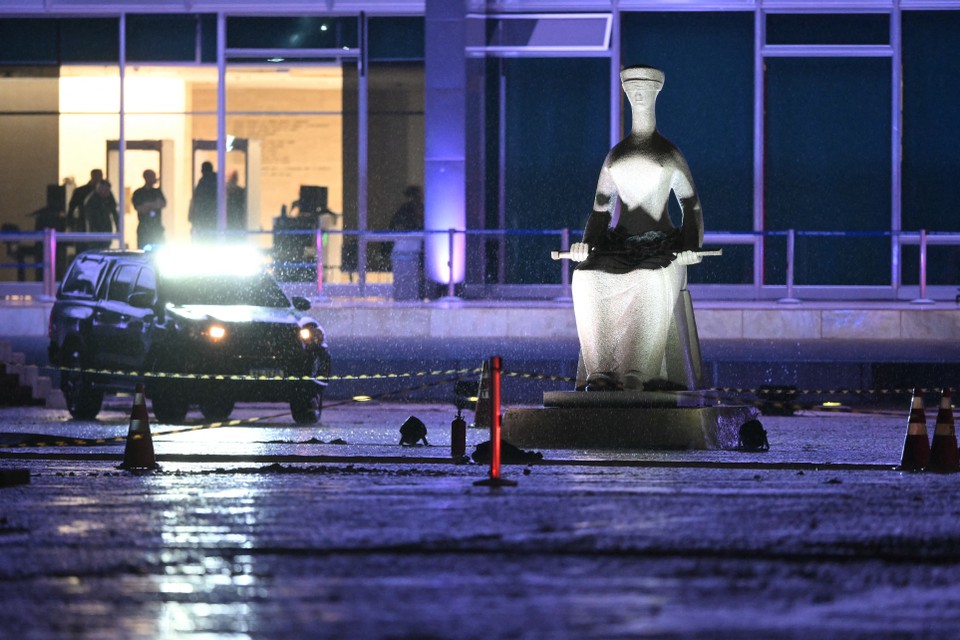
x=83, y=400
x=306, y=409
x=170, y=408
x=216, y=409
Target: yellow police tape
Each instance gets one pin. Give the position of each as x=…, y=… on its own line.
x=241, y=377
x=765, y=397
x=48, y=441
x=53, y=441
x=447, y=372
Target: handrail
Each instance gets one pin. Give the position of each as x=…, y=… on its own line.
x=922, y=238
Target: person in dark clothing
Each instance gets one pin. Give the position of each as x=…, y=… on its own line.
x=203, y=206
x=236, y=204
x=409, y=216
x=76, y=220
x=100, y=209
x=149, y=202
x=407, y=254
x=51, y=217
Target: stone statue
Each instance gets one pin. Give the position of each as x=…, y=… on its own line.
x=633, y=266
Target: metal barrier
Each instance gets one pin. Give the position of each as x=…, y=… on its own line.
x=48, y=238
x=922, y=238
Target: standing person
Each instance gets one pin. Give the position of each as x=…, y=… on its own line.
x=409, y=216
x=406, y=254
x=76, y=218
x=236, y=203
x=203, y=206
x=51, y=216
x=101, y=212
x=630, y=275
x=149, y=202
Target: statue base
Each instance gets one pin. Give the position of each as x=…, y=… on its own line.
x=628, y=420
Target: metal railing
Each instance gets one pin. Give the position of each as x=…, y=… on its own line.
x=48, y=239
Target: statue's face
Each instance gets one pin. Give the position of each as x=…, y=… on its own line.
x=641, y=93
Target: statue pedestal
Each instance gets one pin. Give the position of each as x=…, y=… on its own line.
x=628, y=420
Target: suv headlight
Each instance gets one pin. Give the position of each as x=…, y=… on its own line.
x=311, y=335
x=215, y=332
x=212, y=332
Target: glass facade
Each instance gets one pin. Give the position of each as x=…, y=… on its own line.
x=706, y=109
x=836, y=125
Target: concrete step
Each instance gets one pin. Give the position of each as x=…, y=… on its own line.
x=22, y=385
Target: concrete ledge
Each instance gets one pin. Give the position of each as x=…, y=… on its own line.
x=24, y=318
x=629, y=398
x=893, y=322
x=622, y=427
x=522, y=320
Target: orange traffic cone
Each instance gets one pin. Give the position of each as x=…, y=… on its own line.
x=944, y=455
x=916, y=446
x=483, y=415
x=139, y=451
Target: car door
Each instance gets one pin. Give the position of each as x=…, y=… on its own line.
x=117, y=325
x=142, y=327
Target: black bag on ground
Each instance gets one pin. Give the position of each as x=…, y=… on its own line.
x=753, y=437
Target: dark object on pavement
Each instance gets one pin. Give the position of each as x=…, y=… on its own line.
x=753, y=437
x=509, y=454
x=13, y=477
x=413, y=431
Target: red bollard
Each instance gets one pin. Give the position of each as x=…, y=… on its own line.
x=495, y=480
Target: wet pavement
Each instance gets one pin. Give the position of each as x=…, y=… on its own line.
x=269, y=530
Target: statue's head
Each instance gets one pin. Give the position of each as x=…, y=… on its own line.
x=642, y=84
x=642, y=77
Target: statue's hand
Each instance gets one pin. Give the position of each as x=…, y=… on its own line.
x=689, y=257
x=579, y=251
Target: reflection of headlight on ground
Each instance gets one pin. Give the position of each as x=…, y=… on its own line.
x=216, y=333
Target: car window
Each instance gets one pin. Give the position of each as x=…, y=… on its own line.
x=256, y=291
x=83, y=278
x=147, y=283
x=121, y=285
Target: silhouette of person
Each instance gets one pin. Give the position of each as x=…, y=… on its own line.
x=236, y=203
x=149, y=202
x=203, y=206
x=52, y=217
x=100, y=209
x=76, y=219
x=408, y=217
x=630, y=274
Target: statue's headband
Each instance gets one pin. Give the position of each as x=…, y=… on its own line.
x=642, y=73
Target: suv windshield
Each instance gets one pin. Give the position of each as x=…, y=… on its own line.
x=256, y=291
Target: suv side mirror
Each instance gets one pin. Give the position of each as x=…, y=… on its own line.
x=301, y=304
x=141, y=299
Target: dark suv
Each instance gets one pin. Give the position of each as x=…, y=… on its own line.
x=202, y=327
